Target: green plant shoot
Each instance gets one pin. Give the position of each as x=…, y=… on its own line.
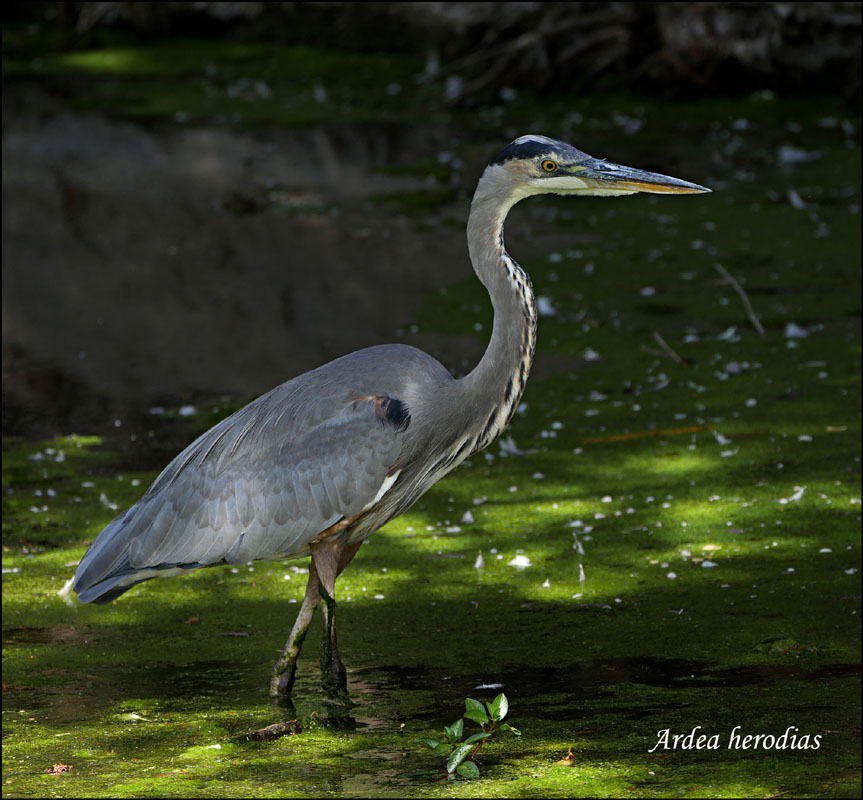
x=461, y=756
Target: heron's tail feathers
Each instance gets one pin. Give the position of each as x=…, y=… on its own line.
x=106, y=572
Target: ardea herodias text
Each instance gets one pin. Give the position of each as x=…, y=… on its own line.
x=318, y=464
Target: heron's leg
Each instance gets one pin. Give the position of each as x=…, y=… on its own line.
x=330, y=557
x=285, y=669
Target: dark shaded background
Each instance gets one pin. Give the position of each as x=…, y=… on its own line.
x=145, y=263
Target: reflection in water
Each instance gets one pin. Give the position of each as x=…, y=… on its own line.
x=541, y=692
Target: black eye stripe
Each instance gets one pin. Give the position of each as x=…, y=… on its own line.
x=532, y=148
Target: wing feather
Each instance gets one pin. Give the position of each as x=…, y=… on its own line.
x=234, y=496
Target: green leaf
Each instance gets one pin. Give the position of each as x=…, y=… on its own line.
x=476, y=711
x=480, y=717
x=432, y=743
x=468, y=769
x=476, y=737
x=499, y=707
x=458, y=755
x=442, y=749
x=453, y=732
x=505, y=726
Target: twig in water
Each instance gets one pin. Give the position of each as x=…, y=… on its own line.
x=743, y=296
x=667, y=349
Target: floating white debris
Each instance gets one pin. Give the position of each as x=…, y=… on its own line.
x=825, y=550
x=576, y=545
x=796, y=200
x=751, y=402
x=466, y=518
x=546, y=585
x=509, y=447
x=480, y=562
x=489, y=686
x=647, y=291
x=794, y=331
x=544, y=306
x=378, y=597
x=103, y=499
x=851, y=571
x=728, y=335
x=591, y=355
x=606, y=499
x=788, y=155
x=453, y=529
x=798, y=493
x=581, y=576
x=707, y=563
x=519, y=561
x=728, y=453
x=804, y=437
x=319, y=93
x=671, y=575
x=213, y=747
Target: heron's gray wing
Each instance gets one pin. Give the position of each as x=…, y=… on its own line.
x=263, y=501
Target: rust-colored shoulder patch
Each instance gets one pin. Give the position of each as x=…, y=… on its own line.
x=388, y=410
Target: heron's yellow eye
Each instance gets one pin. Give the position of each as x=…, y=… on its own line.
x=549, y=166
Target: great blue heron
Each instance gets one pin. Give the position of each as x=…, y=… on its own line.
x=318, y=464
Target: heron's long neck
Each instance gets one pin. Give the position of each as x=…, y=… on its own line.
x=493, y=389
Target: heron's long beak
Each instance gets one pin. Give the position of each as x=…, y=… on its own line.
x=615, y=177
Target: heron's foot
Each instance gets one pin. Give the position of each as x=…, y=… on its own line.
x=337, y=718
x=334, y=677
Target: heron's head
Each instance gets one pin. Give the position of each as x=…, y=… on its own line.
x=539, y=165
